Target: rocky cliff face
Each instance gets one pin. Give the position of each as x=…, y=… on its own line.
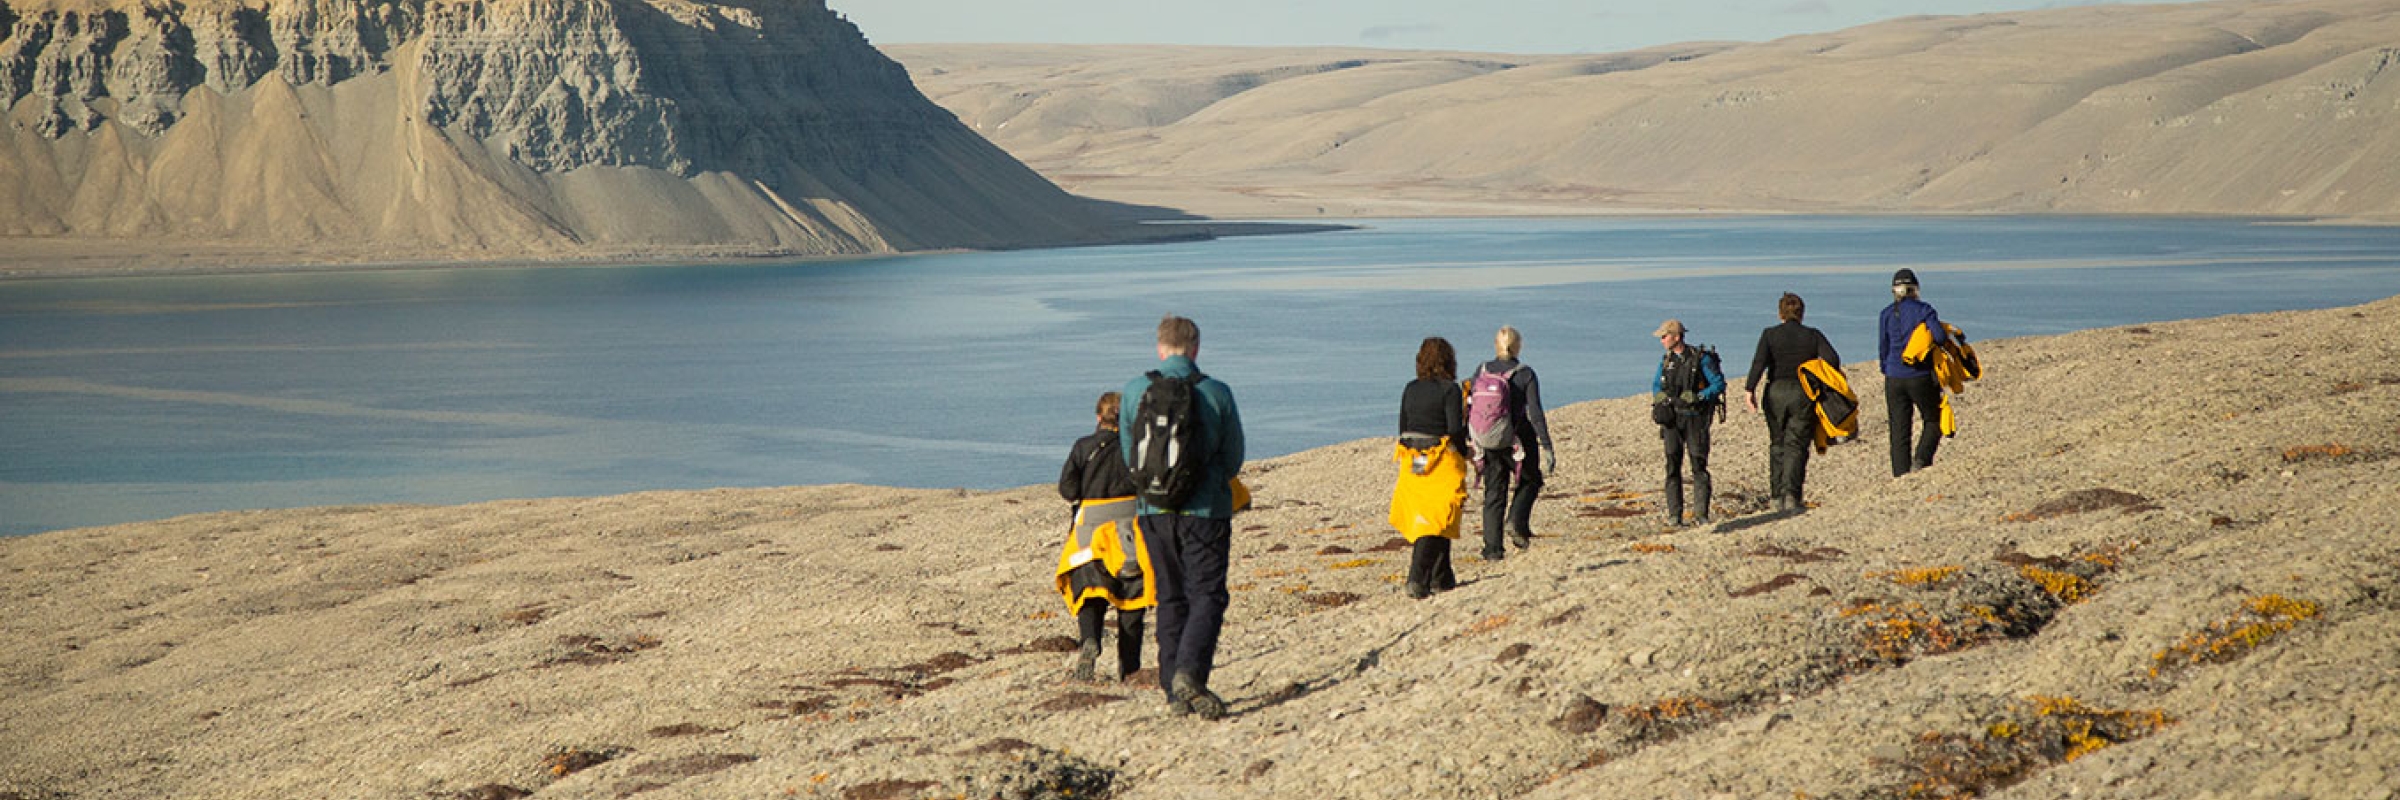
x=751, y=124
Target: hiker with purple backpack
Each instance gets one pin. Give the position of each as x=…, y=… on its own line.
x=1505, y=421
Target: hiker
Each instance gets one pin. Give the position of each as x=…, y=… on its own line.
x=1685, y=396
x=1909, y=389
x=1504, y=418
x=1791, y=414
x=1433, y=454
x=1104, y=563
x=1182, y=439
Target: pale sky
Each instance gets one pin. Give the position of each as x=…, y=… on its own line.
x=1497, y=26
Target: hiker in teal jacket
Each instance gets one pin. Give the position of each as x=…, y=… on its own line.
x=1190, y=547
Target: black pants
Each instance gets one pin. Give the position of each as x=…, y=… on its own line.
x=1920, y=395
x=1429, y=564
x=1791, y=431
x=1501, y=507
x=1190, y=555
x=1687, y=440
x=1088, y=621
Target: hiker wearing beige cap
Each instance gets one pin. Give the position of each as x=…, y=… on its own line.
x=1685, y=396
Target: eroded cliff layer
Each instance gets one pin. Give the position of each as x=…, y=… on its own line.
x=494, y=127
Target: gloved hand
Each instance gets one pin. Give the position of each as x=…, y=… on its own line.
x=1688, y=398
x=1549, y=461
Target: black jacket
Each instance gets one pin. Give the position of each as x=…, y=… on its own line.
x=1093, y=470
x=1783, y=348
x=1435, y=407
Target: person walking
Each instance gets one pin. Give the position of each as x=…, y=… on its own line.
x=1433, y=453
x=1685, y=396
x=1909, y=390
x=1104, y=563
x=1791, y=416
x=1186, y=502
x=1504, y=417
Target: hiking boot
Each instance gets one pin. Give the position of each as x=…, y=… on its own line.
x=1783, y=503
x=1494, y=555
x=1521, y=540
x=1417, y=591
x=1178, y=708
x=1084, y=659
x=1202, y=702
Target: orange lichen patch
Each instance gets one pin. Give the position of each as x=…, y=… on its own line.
x=1354, y=563
x=1292, y=589
x=2312, y=452
x=1652, y=547
x=1042, y=615
x=1394, y=577
x=2034, y=734
x=1921, y=576
x=1665, y=719
x=2068, y=587
x=1326, y=531
x=2346, y=387
x=1242, y=587
x=2262, y=619
x=1899, y=633
x=1488, y=624
x=1278, y=573
x=1672, y=708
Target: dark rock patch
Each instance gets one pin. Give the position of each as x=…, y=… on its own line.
x=1771, y=584
x=886, y=790
x=1512, y=653
x=1076, y=701
x=1329, y=599
x=1390, y=545
x=683, y=729
x=1001, y=745
x=1581, y=716
x=691, y=765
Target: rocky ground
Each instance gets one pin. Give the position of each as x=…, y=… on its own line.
x=2156, y=562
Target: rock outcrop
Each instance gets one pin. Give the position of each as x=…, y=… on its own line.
x=500, y=127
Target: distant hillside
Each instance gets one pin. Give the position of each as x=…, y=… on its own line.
x=2214, y=108
x=438, y=128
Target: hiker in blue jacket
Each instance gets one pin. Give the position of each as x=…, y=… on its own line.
x=1690, y=384
x=1190, y=544
x=1909, y=389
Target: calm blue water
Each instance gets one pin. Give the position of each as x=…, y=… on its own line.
x=131, y=399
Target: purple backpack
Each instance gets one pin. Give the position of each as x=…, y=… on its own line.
x=1488, y=399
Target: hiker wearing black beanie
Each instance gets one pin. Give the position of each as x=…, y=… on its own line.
x=1909, y=389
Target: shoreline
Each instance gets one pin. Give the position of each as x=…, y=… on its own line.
x=117, y=258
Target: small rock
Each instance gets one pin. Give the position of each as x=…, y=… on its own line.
x=1642, y=657
x=1761, y=723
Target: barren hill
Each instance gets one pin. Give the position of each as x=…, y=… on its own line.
x=2242, y=107
x=432, y=129
x=2156, y=562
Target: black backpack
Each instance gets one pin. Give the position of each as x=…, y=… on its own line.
x=1165, y=458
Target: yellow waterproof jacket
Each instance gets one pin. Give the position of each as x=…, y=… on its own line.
x=1829, y=394
x=1104, y=558
x=1427, y=503
x=1953, y=363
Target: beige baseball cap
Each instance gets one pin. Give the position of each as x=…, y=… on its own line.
x=1667, y=327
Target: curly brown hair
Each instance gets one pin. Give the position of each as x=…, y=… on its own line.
x=1435, y=359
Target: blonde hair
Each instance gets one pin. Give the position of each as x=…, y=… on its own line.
x=1506, y=342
